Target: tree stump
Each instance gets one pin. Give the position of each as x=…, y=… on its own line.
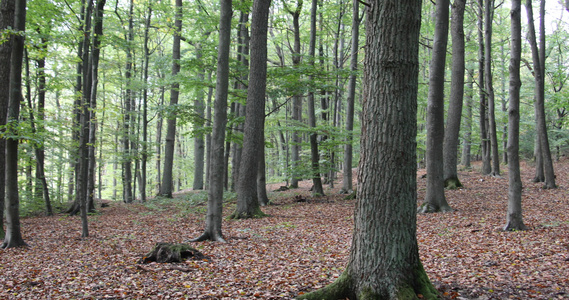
x=171, y=253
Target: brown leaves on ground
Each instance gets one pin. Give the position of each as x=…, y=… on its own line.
x=302, y=246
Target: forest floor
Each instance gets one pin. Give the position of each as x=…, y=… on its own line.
x=300, y=247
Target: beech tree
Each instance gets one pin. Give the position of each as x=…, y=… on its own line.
x=514, y=219
x=13, y=236
x=6, y=21
x=216, y=173
x=384, y=259
x=247, y=198
x=435, y=197
x=452, y=130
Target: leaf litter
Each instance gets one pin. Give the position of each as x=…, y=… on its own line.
x=300, y=247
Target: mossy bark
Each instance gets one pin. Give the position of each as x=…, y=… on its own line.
x=453, y=183
x=420, y=287
x=171, y=253
x=254, y=214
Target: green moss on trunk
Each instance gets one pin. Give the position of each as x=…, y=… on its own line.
x=453, y=183
x=341, y=288
x=256, y=214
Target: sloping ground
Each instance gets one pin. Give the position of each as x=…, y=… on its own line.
x=300, y=247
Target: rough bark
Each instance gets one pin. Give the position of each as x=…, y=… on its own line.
x=215, y=195
x=13, y=236
x=451, y=133
x=514, y=219
x=384, y=260
x=167, y=176
x=247, y=200
x=348, y=148
x=540, y=100
x=435, y=200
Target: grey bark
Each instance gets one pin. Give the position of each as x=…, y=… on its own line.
x=13, y=236
x=539, y=73
x=488, y=19
x=144, y=154
x=514, y=219
x=384, y=261
x=215, y=195
x=297, y=99
x=199, y=140
x=314, y=155
x=247, y=199
x=6, y=20
x=128, y=194
x=350, y=101
x=467, y=131
x=435, y=200
x=451, y=133
x=483, y=122
x=167, y=175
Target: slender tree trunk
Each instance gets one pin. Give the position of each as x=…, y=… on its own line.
x=488, y=19
x=144, y=158
x=467, y=131
x=128, y=196
x=199, y=140
x=167, y=175
x=215, y=195
x=247, y=199
x=435, y=197
x=13, y=236
x=315, y=156
x=159, y=126
x=384, y=259
x=297, y=99
x=6, y=21
x=261, y=174
x=348, y=148
x=540, y=100
x=484, y=140
x=451, y=133
x=514, y=216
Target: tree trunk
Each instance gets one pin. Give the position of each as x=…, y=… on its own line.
x=144, y=158
x=13, y=236
x=451, y=133
x=484, y=142
x=348, y=153
x=314, y=155
x=435, y=200
x=514, y=219
x=296, y=99
x=261, y=177
x=215, y=195
x=6, y=21
x=488, y=19
x=247, y=199
x=167, y=176
x=384, y=259
x=467, y=131
x=199, y=141
x=539, y=100
x=127, y=180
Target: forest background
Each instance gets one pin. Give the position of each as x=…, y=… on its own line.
x=153, y=121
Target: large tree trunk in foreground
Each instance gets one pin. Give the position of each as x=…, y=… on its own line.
x=435, y=200
x=247, y=200
x=215, y=195
x=450, y=152
x=384, y=259
x=514, y=219
x=13, y=237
